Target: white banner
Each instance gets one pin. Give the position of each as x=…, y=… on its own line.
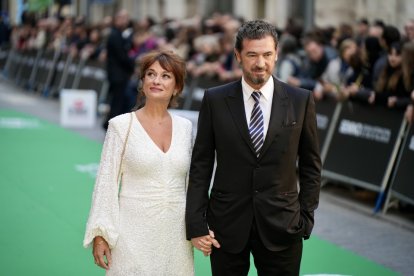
x=78, y=108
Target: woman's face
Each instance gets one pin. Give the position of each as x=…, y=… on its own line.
x=159, y=85
x=394, y=58
x=349, y=52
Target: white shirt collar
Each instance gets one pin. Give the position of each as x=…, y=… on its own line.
x=267, y=89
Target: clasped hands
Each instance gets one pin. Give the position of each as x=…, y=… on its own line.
x=205, y=243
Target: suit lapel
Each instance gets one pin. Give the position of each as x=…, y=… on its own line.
x=235, y=103
x=278, y=113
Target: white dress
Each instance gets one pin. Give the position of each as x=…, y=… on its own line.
x=143, y=222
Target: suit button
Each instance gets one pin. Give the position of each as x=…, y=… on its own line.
x=256, y=191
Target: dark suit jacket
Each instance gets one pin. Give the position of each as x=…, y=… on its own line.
x=246, y=187
x=119, y=66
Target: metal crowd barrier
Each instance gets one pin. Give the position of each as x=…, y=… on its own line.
x=367, y=146
x=361, y=146
x=48, y=72
x=402, y=181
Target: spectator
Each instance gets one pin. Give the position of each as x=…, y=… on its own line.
x=390, y=35
x=377, y=28
x=409, y=30
x=119, y=66
x=289, y=62
x=360, y=84
x=4, y=32
x=408, y=75
x=93, y=48
x=395, y=83
x=362, y=30
x=337, y=72
x=317, y=58
x=409, y=113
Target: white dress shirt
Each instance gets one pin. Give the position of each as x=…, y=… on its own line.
x=265, y=102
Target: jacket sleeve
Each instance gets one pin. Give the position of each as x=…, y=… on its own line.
x=201, y=169
x=309, y=167
x=104, y=213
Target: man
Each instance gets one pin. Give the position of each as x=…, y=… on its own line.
x=317, y=59
x=255, y=203
x=119, y=66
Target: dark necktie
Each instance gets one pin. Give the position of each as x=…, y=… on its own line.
x=256, y=126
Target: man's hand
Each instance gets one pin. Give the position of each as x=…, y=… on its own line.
x=204, y=243
x=101, y=249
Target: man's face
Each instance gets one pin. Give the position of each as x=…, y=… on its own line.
x=257, y=59
x=122, y=20
x=409, y=30
x=314, y=51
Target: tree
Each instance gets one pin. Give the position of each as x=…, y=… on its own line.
x=39, y=5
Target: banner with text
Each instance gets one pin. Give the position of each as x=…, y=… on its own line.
x=403, y=184
x=324, y=111
x=363, y=143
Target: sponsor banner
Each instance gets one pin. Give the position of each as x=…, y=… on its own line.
x=363, y=142
x=324, y=112
x=403, y=184
x=78, y=108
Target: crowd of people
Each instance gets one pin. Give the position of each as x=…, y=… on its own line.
x=264, y=193
x=370, y=62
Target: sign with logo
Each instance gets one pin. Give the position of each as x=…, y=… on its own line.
x=402, y=185
x=78, y=108
x=324, y=112
x=362, y=144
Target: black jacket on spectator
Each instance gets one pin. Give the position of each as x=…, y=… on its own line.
x=119, y=65
x=119, y=70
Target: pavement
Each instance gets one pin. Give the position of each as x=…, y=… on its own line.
x=345, y=215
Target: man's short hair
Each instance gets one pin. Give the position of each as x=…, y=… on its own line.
x=255, y=29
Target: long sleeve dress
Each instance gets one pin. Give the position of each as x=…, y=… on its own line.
x=143, y=220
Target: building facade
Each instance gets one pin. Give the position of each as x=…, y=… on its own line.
x=321, y=13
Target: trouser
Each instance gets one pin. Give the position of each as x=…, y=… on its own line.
x=285, y=262
x=117, y=100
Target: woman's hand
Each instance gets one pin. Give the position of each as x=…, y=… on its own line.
x=392, y=101
x=409, y=113
x=101, y=249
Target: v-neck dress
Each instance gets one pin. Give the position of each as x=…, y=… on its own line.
x=143, y=220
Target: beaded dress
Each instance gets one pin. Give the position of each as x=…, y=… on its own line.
x=143, y=221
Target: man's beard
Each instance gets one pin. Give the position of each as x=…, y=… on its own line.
x=255, y=80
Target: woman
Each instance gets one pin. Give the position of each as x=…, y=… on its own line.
x=408, y=71
x=337, y=72
x=359, y=85
x=139, y=227
x=395, y=83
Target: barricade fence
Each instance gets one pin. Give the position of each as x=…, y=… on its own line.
x=47, y=72
x=402, y=181
x=367, y=146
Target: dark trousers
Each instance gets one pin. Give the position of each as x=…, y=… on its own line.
x=285, y=262
x=118, y=101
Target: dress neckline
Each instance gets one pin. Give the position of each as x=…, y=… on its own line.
x=149, y=137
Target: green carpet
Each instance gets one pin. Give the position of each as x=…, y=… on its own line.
x=46, y=181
